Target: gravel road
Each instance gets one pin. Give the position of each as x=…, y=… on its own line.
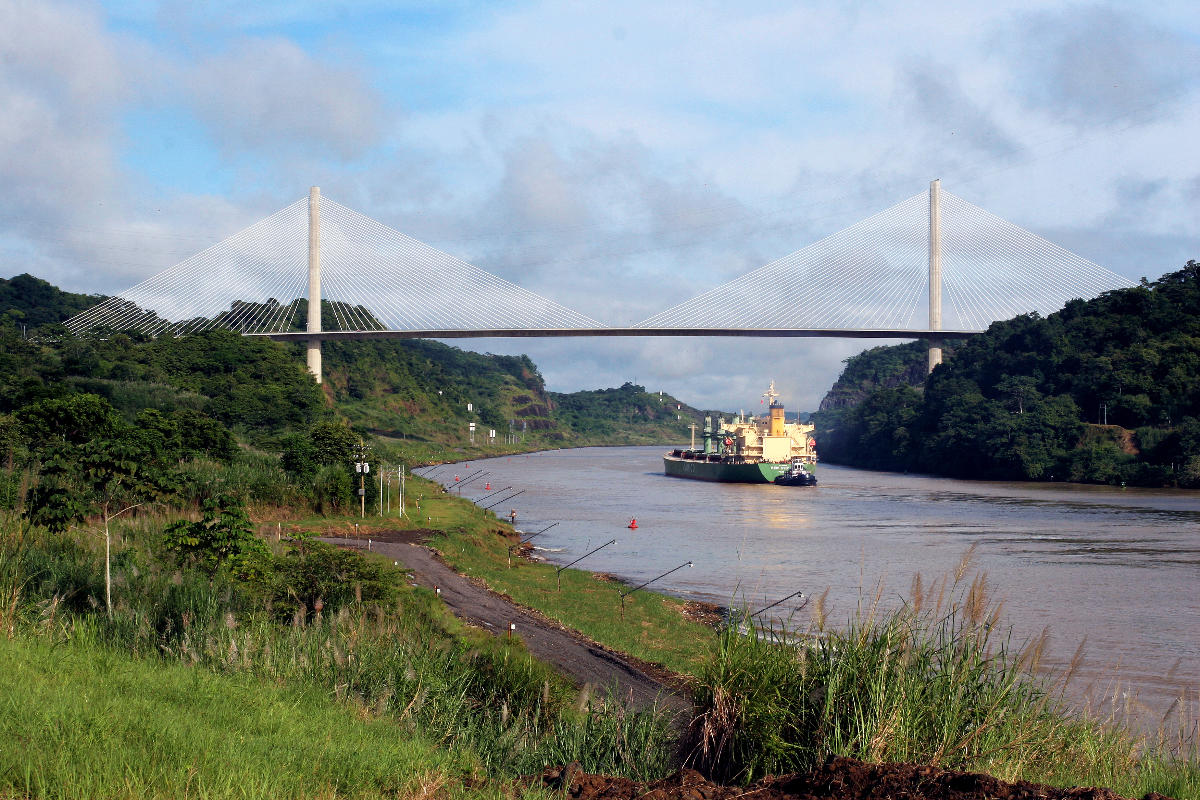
x=583, y=661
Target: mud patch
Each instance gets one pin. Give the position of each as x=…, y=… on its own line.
x=412, y=536
x=705, y=613
x=837, y=779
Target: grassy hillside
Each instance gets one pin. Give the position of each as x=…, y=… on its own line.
x=419, y=390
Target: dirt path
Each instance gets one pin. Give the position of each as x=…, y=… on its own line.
x=583, y=661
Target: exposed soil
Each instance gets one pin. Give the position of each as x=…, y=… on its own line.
x=837, y=779
x=636, y=683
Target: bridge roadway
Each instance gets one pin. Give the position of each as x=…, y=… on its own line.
x=507, y=333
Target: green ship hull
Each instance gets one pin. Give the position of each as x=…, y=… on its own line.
x=723, y=472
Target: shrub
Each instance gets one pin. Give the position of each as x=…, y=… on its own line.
x=222, y=537
x=311, y=572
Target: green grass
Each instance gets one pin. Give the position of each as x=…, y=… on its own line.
x=82, y=721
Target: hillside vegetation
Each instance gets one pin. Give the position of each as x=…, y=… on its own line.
x=30, y=302
x=405, y=390
x=1106, y=391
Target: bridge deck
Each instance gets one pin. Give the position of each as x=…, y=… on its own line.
x=847, y=333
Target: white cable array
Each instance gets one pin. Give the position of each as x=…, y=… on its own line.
x=874, y=275
x=372, y=278
x=998, y=270
x=408, y=285
x=867, y=275
x=248, y=282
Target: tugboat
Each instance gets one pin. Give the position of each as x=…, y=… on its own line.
x=745, y=450
x=797, y=475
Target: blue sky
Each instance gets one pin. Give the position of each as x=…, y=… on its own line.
x=618, y=157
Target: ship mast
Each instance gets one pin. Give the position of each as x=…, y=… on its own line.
x=771, y=395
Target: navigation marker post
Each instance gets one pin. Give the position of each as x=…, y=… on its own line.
x=400, y=472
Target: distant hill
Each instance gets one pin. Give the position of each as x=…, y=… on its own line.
x=30, y=301
x=626, y=414
x=421, y=389
x=1106, y=390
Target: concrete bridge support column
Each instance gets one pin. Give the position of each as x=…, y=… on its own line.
x=314, y=281
x=935, y=272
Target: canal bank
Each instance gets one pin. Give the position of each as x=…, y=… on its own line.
x=1114, y=568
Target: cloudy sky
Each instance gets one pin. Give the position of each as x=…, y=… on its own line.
x=618, y=157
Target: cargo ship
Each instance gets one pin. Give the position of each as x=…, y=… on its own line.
x=746, y=450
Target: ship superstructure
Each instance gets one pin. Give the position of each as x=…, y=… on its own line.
x=749, y=450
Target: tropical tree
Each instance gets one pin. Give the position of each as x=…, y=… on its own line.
x=118, y=478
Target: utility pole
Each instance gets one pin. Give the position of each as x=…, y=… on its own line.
x=935, y=271
x=362, y=467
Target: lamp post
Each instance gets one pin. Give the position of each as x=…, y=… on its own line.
x=750, y=619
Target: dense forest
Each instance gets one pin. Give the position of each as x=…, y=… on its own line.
x=1106, y=391
x=203, y=412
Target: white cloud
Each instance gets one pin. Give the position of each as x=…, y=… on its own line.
x=268, y=94
x=1097, y=64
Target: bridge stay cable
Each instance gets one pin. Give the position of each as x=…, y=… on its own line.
x=867, y=281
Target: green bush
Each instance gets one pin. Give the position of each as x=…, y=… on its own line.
x=223, y=537
x=313, y=576
x=332, y=490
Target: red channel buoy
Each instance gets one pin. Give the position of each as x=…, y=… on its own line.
x=633, y=523
x=487, y=487
x=456, y=479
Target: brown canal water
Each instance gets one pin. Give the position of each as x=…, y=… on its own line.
x=1115, y=569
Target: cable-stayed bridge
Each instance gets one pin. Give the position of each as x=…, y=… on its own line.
x=318, y=270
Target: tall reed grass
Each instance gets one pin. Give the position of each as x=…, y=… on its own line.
x=937, y=681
